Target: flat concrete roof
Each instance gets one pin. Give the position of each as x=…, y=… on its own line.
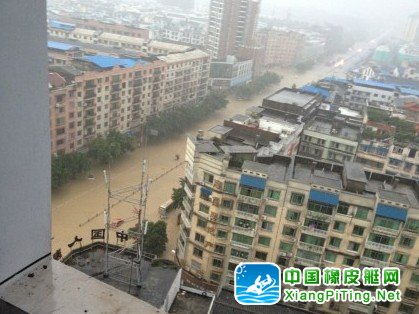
x=292, y=97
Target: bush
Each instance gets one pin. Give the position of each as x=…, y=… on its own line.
x=111, y=147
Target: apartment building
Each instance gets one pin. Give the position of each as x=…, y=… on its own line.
x=232, y=23
x=61, y=53
x=230, y=72
x=63, y=115
x=185, y=78
x=296, y=212
x=333, y=140
x=390, y=158
x=282, y=47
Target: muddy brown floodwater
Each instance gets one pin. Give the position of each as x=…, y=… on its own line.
x=75, y=204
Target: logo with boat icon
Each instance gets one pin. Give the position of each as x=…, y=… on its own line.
x=257, y=283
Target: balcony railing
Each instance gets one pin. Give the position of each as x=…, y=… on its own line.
x=373, y=262
x=185, y=219
x=246, y=231
x=249, y=200
x=188, y=192
x=246, y=215
x=319, y=216
x=386, y=230
x=379, y=247
x=310, y=247
x=314, y=231
x=306, y=262
x=241, y=245
x=187, y=206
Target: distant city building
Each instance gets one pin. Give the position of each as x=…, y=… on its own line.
x=183, y=4
x=382, y=54
x=232, y=23
x=411, y=34
x=408, y=53
x=230, y=73
x=282, y=47
x=181, y=30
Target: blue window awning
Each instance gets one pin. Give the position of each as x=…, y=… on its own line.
x=324, y=197
x=388, y=211
x=253, y=182
x=206, y=191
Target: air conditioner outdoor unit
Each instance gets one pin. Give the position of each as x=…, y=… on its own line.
x=264, y=217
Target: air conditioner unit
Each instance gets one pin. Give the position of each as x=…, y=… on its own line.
x=282, y=254
x=264, y=217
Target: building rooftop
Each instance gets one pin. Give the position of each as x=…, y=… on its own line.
x=168, y=46
x=326, y=127
x=157, y=276
x=220, y=129
x=55, y=287
x=61, y=46
x=226, y=304
x=184, y=56
x=355, y=172
x=105, y=62
x=292, y=97
x=238, y=149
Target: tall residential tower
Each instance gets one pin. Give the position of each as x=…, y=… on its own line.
x=232, y=24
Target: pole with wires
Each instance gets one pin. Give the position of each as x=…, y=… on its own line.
x=107, y=223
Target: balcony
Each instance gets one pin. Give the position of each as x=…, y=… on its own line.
x=373, y=262
x=246, y=215
x=314, y=231
x=187, y=206
x=310, y=247
x=385, y=230
x=319, y=216
x=249, y=200
x=185, y=219
x=379, y=247
x=306, y=262
x=246, y=231
x=241, y=245
x=188, y=192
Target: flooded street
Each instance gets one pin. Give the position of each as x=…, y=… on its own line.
x=78, y=206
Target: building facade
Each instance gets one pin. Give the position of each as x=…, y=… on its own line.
x=297, y=213
x=230, y=73
x=232, y=23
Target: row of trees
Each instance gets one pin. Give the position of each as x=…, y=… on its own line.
x=101, y=150
x=67, y=167
x=258, y=85
x=176, y=121
x=305, y=66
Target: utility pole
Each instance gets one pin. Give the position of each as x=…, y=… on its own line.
x=107, y=223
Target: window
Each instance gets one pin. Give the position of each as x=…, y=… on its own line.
x=308, y=255
x=288, y=231
x=412, y=225
x=199, y=237
x=270, y=210
x=209, y=178
x=282, y=261
x=273, y=194
x=222, y=234
x=406, y=309
x=293, y=215
x=241, y=238
x=256, y=193
x=348, y=261
x=244, y=223
x=362, y=213
x=230, y=187
x=297, y=199
x=215, y=277
x=400, y=258
x=227, y=204
x=339, y=226
x=197, y=252
x=330, y=257
x=247, y=208
x=358, y=230
x=267, y=225
x=343, y=208
x=411, y=294
x=219, y=248
x=387, y=223
x=216, y=262
x=415, y=278
x=224, y=220
x=353, y=246
x=376, y=255
x=203, y=208
x=335, y=242
x=309, y=239
x=201, y=223
x=407, y=242
x=320, y=208
x=264, y=240
x=196, y=265
x=261, y=255
x=239, y=254
x=285, y=247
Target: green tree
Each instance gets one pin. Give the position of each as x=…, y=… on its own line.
x=178, y=194
x=156, y=238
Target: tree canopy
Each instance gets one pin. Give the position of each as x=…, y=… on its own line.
x=156, y=238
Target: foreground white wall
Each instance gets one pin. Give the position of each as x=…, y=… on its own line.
x=25, y=219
